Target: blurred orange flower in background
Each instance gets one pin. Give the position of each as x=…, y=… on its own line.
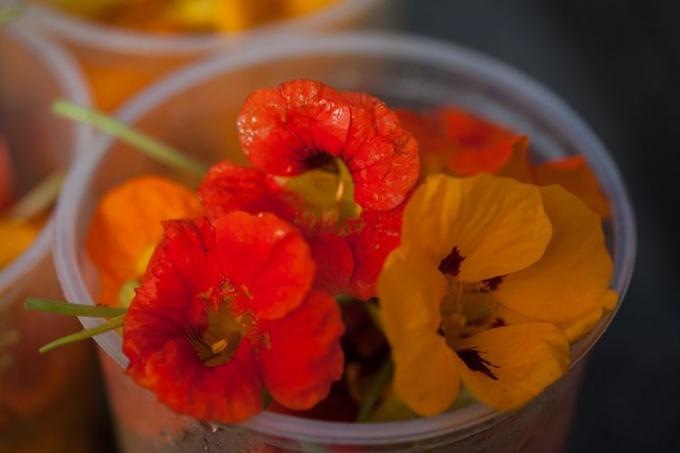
x=127, y=226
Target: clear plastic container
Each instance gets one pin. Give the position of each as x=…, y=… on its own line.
x=118, y=62
x=47, y=402
x=196, y=109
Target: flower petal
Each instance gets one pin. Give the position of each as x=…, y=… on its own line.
x=269, y=257
x=280, y=127
x=300, y=124
x=380, y=234
x=230, y=393
x=573, y=274
x=498, y=225
x=523, y=359
x=334, y=262
x=477, y=145
x=128, y=219
x=410, y=290
x=574, y=174
x=518, y=166
x=299, y=368
x=426, y=375
x=229, y=187
x=381, y=155
x=160, y=311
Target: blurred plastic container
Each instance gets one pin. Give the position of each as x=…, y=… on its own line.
x=48, y=402
x=196, y=109
x=118, y=62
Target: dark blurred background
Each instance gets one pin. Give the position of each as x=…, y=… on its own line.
x=617, y=63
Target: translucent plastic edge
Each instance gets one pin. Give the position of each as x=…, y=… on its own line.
x=119, y=40
x=418, y=50
x=73, y=87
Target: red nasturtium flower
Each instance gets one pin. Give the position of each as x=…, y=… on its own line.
x=226, y=310
x=303, y=125
x=345, y=264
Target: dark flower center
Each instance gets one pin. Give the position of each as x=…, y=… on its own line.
x=451, y=263
x=227, y=324
x=474, y=360
x=321, y=160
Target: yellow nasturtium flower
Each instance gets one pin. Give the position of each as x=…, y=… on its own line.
x=127, y=226
x=474, y=250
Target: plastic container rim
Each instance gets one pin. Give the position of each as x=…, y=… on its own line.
x=122, y=40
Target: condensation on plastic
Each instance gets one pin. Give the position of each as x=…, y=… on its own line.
x=195, y=109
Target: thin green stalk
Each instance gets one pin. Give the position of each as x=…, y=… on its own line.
x=38, y=199
x=142, y=142
x=64, y=308
x=111, y=324
x=375, y=392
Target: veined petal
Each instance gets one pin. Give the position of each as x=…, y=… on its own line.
x=520, y=362
x=269, y=257
x=230, y=393
x=426, y=376
x=497, y=225
x=410, y=290
x=298, y=369
x=575, y=270
x=574, y=174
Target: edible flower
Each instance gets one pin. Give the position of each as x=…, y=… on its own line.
x=346, y=263
x=226, y=312
x=473, y=251
x=459, y=143
x=126, y=228
x=305, y=125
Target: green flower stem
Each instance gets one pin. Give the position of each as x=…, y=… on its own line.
x=64, y=308
x=39, y=198
x=142, y=142
x=375, y=392
x=111, y=324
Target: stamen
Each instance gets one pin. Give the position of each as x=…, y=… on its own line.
x=247, y=292
x=219, y=346
x=340, y=192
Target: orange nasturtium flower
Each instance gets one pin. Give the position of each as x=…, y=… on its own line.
x=459, y=143
x=454, y=141
x=127, y=227
x=474, y=251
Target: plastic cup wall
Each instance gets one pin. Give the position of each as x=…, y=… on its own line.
x=195, y=110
